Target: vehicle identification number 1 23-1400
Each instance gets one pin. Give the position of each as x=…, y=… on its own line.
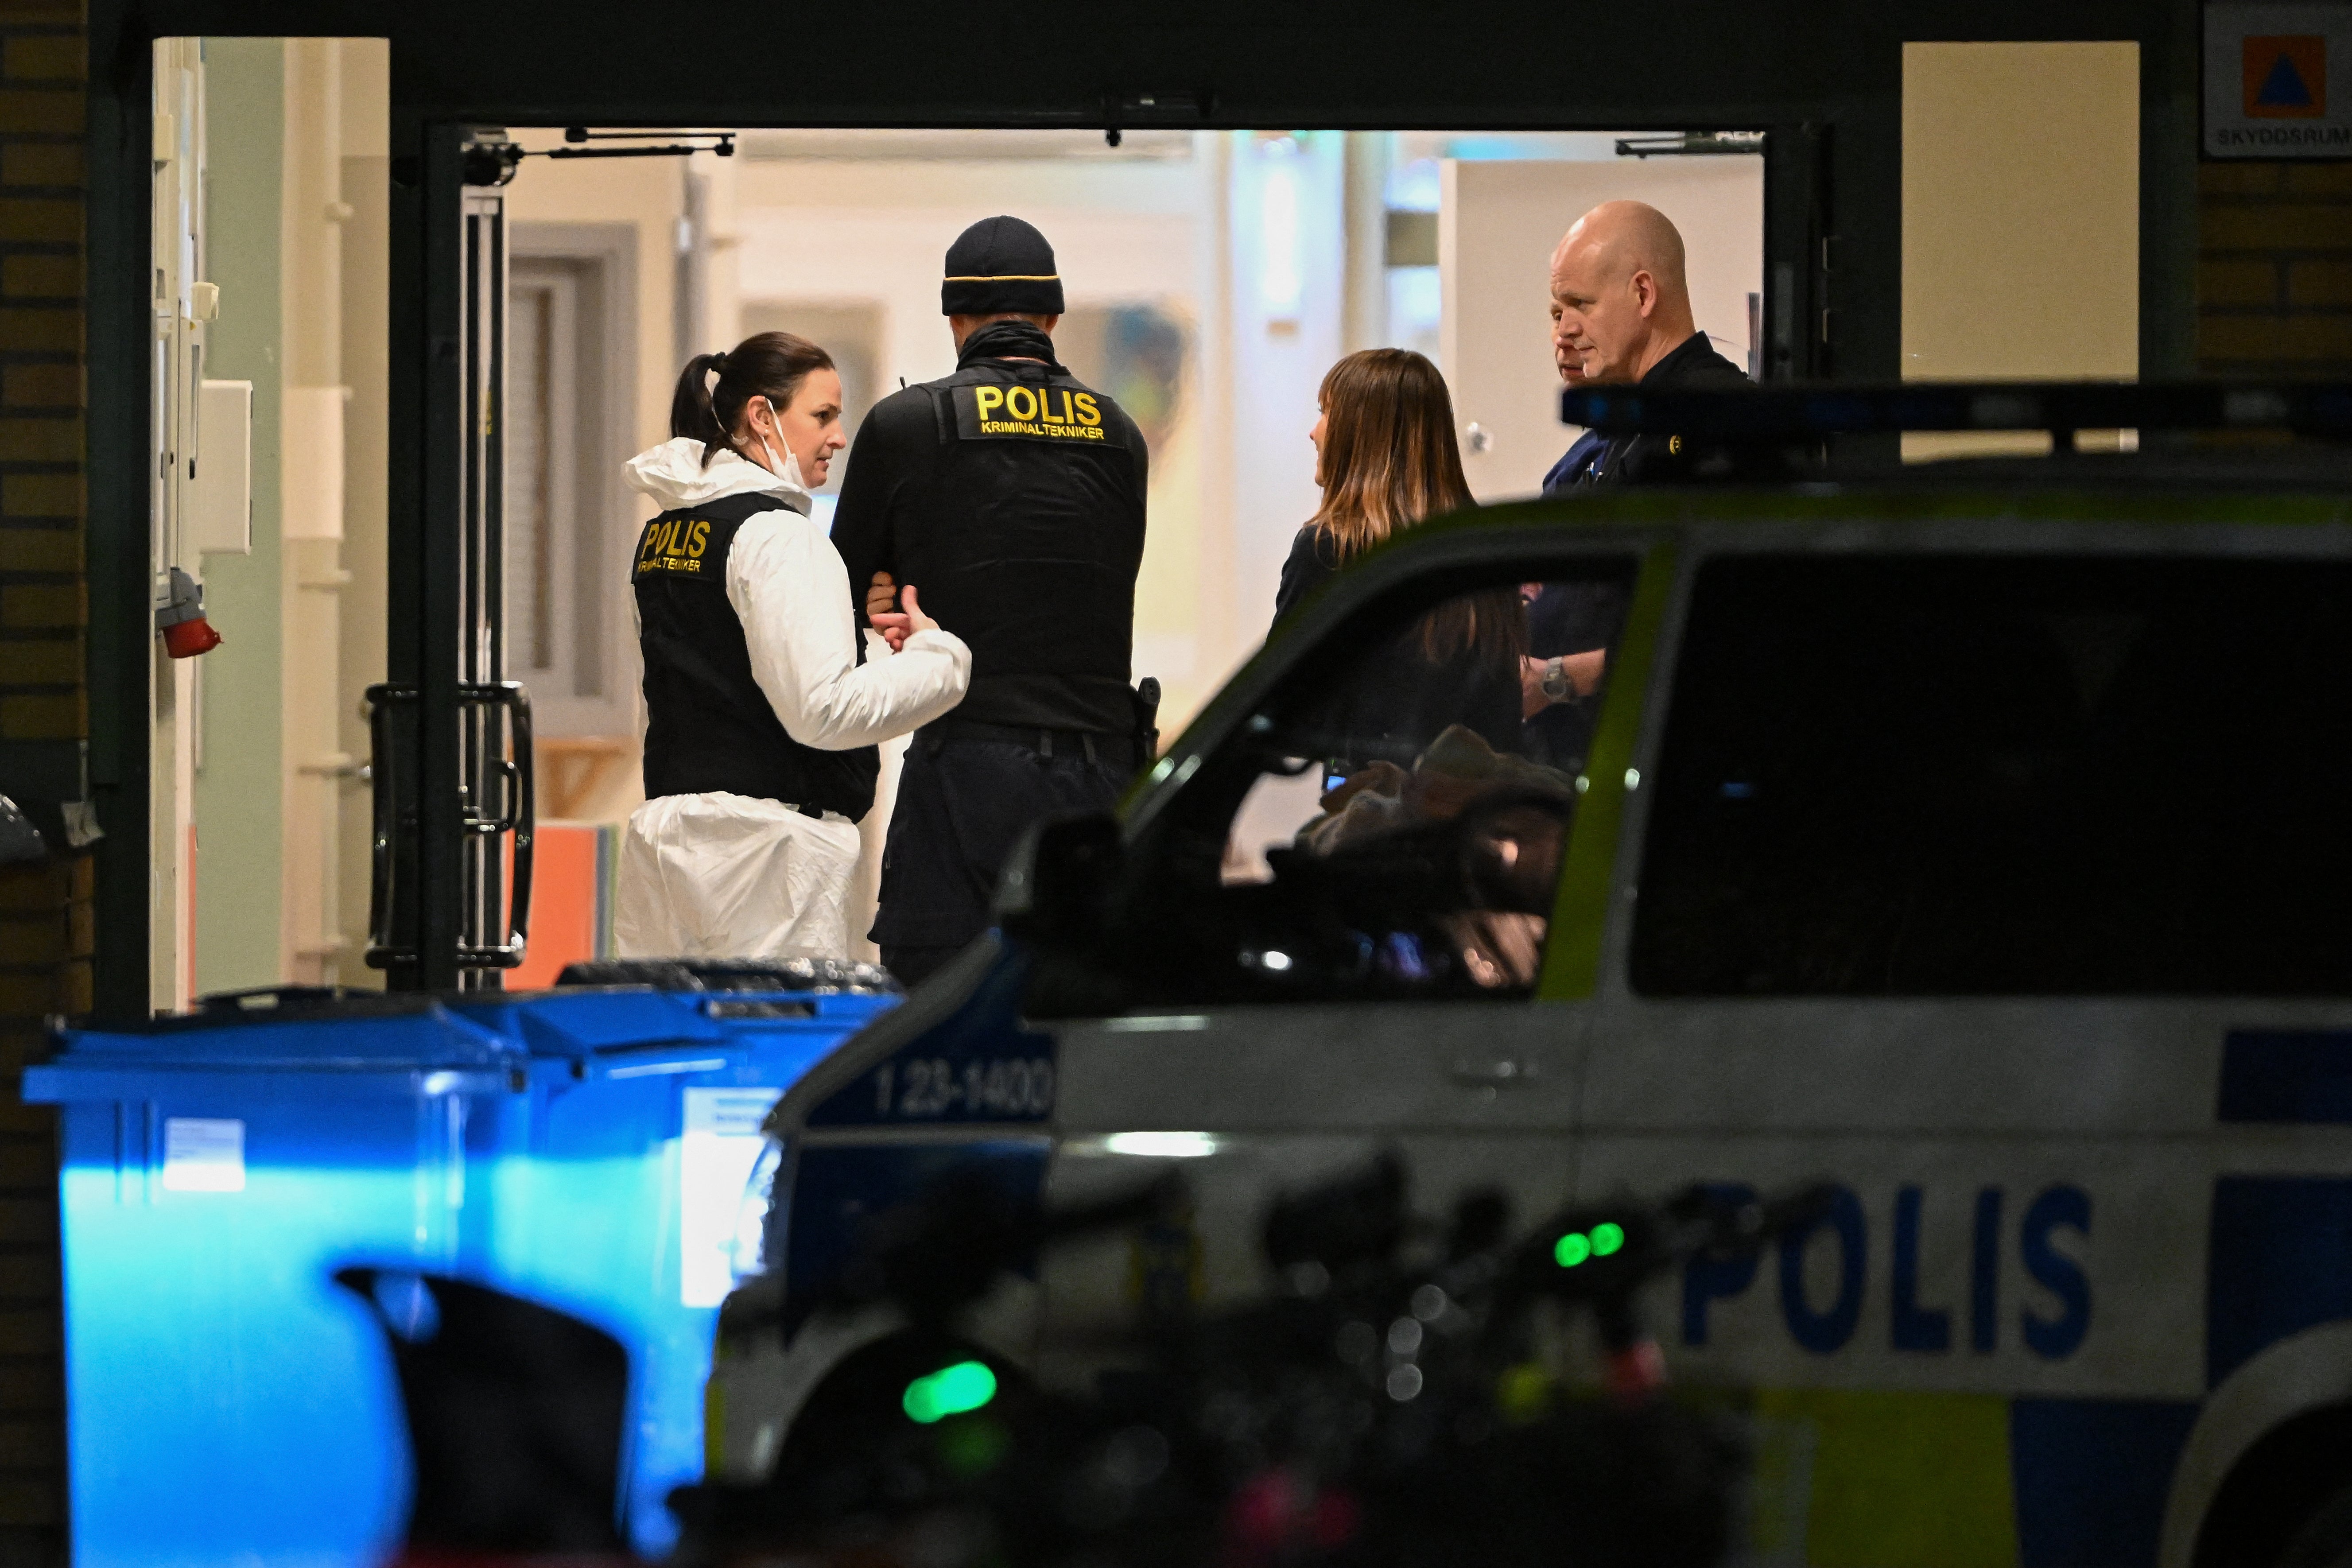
x=935, y=1086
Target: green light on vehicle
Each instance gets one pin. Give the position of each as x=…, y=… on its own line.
x=951, y=1391
x=1571, y=1249
x=1607, y=1238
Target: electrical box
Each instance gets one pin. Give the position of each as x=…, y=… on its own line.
x=220, y=484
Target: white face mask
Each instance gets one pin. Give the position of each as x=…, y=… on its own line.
x=788, y=468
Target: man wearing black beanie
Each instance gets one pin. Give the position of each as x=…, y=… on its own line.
x=1014, y=494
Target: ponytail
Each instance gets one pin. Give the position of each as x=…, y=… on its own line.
x=766, y=364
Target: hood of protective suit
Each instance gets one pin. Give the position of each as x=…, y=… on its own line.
x=675, y=476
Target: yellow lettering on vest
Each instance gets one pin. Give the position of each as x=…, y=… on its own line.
x=676, y=544
x=1046, y=406
x=699, y=537
x=1087, y=413
x=1014, y=399
x=986, y=400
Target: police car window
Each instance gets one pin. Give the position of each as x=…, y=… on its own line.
x=1953, y=776
x=1392, y=822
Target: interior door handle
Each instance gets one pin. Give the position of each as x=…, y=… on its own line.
x=1493, y=1072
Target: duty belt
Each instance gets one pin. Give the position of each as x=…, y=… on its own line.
x=1097, y=745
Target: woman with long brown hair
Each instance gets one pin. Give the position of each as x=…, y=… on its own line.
x=1387, y=460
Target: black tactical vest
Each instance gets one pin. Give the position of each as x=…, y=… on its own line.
x=707, y=724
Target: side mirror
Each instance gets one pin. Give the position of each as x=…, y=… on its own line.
x=1059, y=886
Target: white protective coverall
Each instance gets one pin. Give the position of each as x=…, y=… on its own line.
x=725, y=875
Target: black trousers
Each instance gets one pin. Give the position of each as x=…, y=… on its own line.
x=963, y=802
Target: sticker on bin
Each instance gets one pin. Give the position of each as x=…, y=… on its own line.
x=719, y=1155
x=203, y=1155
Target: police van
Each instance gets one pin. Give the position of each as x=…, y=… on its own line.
x=1982, y=847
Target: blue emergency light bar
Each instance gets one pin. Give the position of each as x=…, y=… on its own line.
x=1799, y=413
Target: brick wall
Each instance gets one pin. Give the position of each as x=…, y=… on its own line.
x=2274, y=269
x=44, y=908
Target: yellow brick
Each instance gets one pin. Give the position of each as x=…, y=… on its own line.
x=37, y=939
x=32, y=1276
x=2283, y=225
x=40, y=219
x=15, y=1117
x=39, y=329
x=2319, y=283
x=26, y=1501
x=2236, y=179
x=2315, y=341
x=41, y=163
x=27, y=994
x=2319, y=180
x=49, y=661
x=35, y=550
x=28, y=1330
x=42, y=386
x=41, y=495
x=2237, y=282
x=40, y=886
x=30, y=606
x=27, y=1165
x=47, y=60
x=38, y=440
x=27, y=1386
x=32, y=1444
x=42, y=109
x=42, y=663
x=41, y=277
x=76, y=989
x=43, y=716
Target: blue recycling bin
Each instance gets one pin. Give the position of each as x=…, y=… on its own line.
x=636, y=1194
x=225, y=1402
x=595, y=1149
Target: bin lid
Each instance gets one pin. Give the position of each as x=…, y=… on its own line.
x=821, y=975
x=366, y=1033
x=572, y=1025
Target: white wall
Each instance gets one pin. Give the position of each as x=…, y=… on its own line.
x=2021, y=218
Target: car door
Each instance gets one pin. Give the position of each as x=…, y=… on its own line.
x=1971, y=855
x=1296, y=992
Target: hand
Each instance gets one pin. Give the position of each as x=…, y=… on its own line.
x=881, y=597
x=897, y=626
x=916, y=620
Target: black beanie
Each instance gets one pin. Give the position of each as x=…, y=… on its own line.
x=1000, y=265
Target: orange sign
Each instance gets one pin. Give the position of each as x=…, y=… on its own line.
x=2286, y=76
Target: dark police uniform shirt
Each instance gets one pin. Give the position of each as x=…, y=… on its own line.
x=1012, y=495
x=1663, y=460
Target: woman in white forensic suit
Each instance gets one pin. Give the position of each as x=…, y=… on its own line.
x=760, y=715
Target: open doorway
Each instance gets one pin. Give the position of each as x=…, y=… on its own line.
x=1213, y=277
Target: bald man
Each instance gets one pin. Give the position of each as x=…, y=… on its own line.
x=1621, y=307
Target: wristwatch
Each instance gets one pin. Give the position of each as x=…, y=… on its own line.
x=1556, y=686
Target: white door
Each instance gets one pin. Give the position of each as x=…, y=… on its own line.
x=1497, y=224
